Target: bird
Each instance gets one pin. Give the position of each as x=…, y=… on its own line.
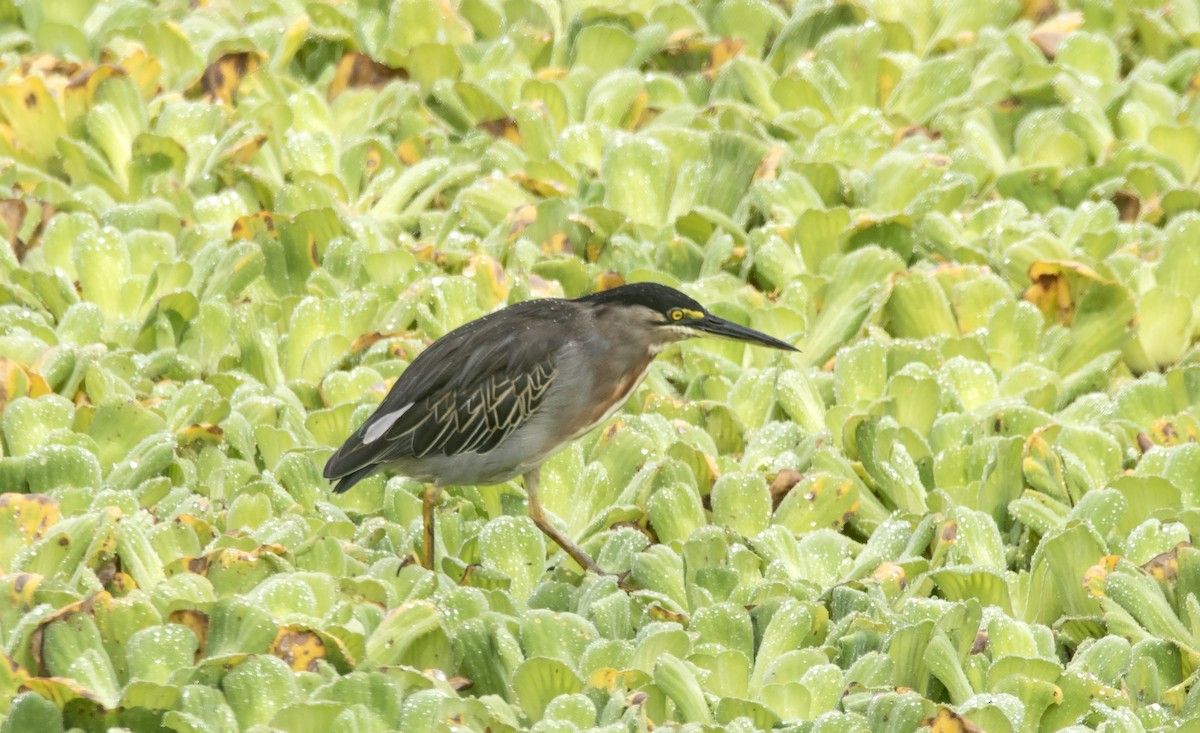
x=494, y=398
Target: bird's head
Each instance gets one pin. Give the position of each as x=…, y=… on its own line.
x=663, y=315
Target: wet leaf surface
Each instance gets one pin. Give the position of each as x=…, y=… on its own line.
x=969, y=502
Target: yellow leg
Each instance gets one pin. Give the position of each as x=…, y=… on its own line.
x=433, y=493
x=538, y=515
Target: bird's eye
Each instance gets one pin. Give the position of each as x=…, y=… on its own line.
x=675, y=314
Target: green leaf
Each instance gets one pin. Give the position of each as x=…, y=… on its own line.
x=636, y=171
x=679, y=683
x=118, y=427
x=258, y=688
x=395, y=639
x=515, y=547
x=538, y=681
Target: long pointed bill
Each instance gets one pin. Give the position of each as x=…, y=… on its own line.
x=714, y=326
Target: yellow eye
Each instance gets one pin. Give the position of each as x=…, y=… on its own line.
x=675, y=314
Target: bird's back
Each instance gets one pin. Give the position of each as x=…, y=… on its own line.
x=461, y=398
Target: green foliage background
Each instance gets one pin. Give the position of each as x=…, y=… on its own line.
x=968, y=504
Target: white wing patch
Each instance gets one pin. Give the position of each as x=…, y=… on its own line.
x=380, y=426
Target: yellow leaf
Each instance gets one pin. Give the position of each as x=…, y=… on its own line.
x=203, y=529
x=207, y=432
x=1165, y=432
x=18, y=380
x=373, y=159
x=605, y=678
x=12, y=675
x=31, y=515
x=120, y=584
x=60, y=690
x=520, y=218
x=659, y=613
x=12, y=213
x=197, y=621
x=683, y=40
x=300, y=648
x=543, y=188
x=21, y=589
x=722, y=53
x=638, y=112
x=408, y=152
x=367, y=340
x=35, y=118
x=557, y=244
x=80, y=93
x=489, y=276
x=608, y=280
x=245, y=150
x=1095, y=577
x=249, y=226
x=1052, y=288
x=947, y=721
x=145, y=71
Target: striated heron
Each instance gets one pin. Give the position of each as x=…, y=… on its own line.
x=494, y=398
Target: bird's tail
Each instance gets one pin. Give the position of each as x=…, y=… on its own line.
x=347, y=481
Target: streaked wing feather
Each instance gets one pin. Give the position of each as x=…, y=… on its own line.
x=464, y=397
x=479, y=419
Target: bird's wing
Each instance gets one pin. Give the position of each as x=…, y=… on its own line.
x=464, y=394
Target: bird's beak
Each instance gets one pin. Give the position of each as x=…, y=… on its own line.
x=712, y=326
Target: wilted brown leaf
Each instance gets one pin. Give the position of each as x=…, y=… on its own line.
x=1165, y=566
x=12, y=214
x=223, y=77
x=249, y=226
x=197, y=621
x=504, y=128
x=1051, y=289
x=782, y=485
x=1128, y=205
x=359, y=70
x=546, y=188
x=299, y=648
x=947, y=721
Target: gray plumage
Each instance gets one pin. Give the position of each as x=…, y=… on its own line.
x=494, y=398
x=462, y=412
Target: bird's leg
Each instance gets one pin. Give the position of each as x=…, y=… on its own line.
x=433, y=493
x=538, y=515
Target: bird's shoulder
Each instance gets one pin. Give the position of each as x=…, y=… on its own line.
x=513, y=341
x=469, y=390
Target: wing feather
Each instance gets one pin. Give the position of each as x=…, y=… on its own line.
x=466, y=393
